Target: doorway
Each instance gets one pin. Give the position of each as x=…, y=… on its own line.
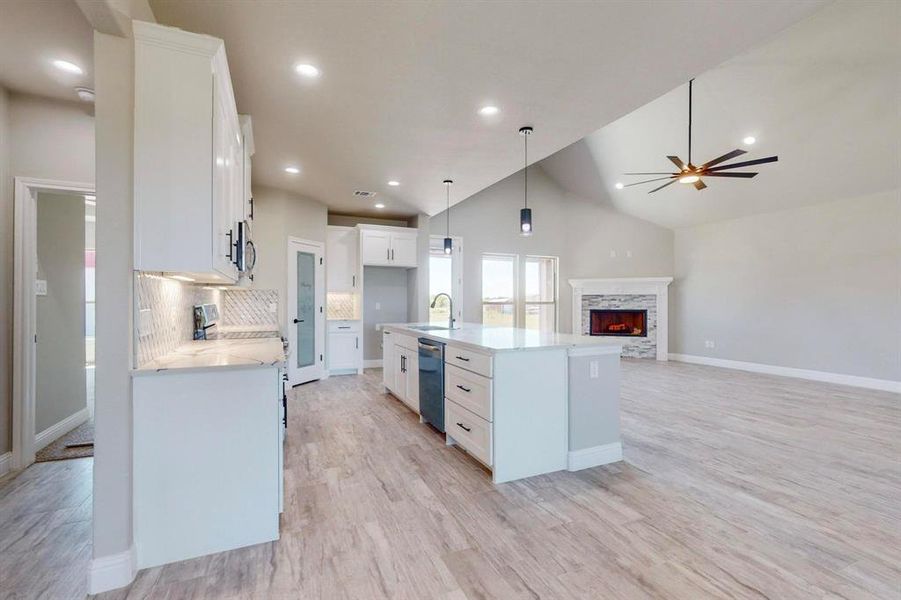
x=50, y=353
x=305, y=311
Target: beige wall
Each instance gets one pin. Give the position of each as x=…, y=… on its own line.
x=41, y=138
x=816, y=288
x=579, y=232
x=277, y=216
x=60, y=348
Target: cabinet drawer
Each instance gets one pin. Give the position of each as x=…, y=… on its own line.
x=406, y=341
x=344, y=326
x=466, y=359
x=469, y=390
x=470, y=431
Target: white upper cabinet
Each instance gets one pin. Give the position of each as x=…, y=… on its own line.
x=342, y=259
x=248, y=151
x=189, y=156
x=388, y=246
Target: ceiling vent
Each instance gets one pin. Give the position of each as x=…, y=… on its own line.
x=364, y=194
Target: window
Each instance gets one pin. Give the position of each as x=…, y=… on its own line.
x=445, y=275
x=499, y=289
x=519, y=293
x=541, y=293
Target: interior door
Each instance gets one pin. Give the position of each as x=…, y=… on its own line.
x=305, y=312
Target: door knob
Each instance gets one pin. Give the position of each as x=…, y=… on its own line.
x=296, y=321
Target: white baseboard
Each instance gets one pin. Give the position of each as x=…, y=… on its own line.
x=112, y=572
x=886, y=385
x=54, y=432
x=594, y=456
x=6, y=463
x=374, y=363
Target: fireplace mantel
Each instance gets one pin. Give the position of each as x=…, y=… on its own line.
x=626, y=286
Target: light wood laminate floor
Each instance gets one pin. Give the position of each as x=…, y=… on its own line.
x=734, y=485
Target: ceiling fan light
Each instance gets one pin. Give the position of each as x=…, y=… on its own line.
x=688, y=179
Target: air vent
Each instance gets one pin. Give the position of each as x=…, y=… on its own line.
x=364, y=194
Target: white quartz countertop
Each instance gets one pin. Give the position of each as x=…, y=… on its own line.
x=503, y=339
x=206, y=355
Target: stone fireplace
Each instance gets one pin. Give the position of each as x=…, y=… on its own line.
x=633, y=311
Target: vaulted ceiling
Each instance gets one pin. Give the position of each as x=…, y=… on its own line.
x=401, y=82
x=823, y=95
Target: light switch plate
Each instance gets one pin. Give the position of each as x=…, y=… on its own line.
x=593, y=369
x=40, y=287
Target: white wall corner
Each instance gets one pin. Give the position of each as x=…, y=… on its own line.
x=112, y=572
x=870, y=383
x=6, y=463
x=594, y=456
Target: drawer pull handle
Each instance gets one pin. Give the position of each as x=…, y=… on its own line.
x=465, y=389
x=463, y=427
x=343, y=326
x=463, y=359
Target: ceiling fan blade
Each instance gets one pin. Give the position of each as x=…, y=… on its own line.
x=650, y=173
x=723, y=158
x=663, y=186
x=747, y=163
x=742, y=175
x=700, y=185
x=678, y=162
x=649, y=181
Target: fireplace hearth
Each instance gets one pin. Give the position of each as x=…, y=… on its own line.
x=620, y=322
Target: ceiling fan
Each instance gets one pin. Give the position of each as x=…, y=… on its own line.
x=690, y=173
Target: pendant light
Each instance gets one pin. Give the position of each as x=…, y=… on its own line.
x=448, y=242
x=525, y=215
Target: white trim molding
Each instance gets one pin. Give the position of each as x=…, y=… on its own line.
x=372, y=363
x=54, y=432
x=886, y=385
x=24, y=308
x=627, y=285
x=6, y=462
x=111, y=572
x=594, y=456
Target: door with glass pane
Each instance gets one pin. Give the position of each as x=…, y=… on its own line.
x=305, y=311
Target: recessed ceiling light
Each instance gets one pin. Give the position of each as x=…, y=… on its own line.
x=306, y=70
x=380, y=205
x=619, y=185
x=393, y=183
x=85, y=94
x=489, y=110
x=749, y=140
x=64, y=65
x=292, y=170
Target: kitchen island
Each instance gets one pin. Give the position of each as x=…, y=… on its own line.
x=521, y=402
x=208, y=449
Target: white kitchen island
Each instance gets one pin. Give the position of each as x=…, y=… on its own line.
x=208, y=454
x=521, y=402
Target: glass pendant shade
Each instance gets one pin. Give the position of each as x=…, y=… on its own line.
x=525, y=221
x=448, y=245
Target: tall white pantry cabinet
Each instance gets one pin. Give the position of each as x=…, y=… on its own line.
x=189, y=180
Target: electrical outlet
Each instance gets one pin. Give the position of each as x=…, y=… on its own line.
x=378, y=306
x=628, y=254
x=613, y=254
x=40, y=287
x=145, y=322
x=593, y=368
x=709, y=344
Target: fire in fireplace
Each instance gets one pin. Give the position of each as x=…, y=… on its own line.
x=619, y=321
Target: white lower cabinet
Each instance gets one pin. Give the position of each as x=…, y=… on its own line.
x=400, y=365
x=207, y=462
x=344, y=352
x=470, y=431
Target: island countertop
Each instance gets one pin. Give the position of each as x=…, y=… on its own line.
x=504, y=339
x=206, y=355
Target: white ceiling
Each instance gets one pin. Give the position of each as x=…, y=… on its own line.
x=824, y=96
x=401, y=82
x=34, y=33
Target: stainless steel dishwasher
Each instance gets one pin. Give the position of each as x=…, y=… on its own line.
x=431, y=382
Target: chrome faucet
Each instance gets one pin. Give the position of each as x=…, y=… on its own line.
x=450, y=320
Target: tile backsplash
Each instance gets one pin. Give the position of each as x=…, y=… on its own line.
x=164, y=315
x=344, y=306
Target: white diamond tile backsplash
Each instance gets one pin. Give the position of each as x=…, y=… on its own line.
x=169, y=320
